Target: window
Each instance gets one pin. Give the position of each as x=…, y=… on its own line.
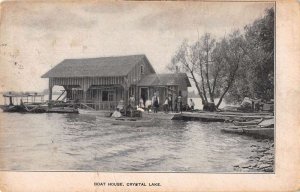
x=107, y=96
x=110, y=97
x=94, y=93
x=142, y=69
x=104, y=95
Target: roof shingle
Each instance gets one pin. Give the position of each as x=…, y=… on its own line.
x=95, y=67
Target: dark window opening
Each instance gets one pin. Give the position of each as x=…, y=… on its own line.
x=104, y=95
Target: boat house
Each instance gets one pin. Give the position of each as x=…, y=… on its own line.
x=102, y=82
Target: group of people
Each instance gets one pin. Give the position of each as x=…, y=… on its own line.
x=171, y=103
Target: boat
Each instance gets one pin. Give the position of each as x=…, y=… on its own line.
x=267, y=123
x=261, y=131
x=129, y=121
x=159, y=115
x=256, y=130
x=93, y=112
x=12, y=108
x=232, y=130
x=29, y=102
x=34, y=108
x=62, y=110
x=264, y=128
x=252, y=122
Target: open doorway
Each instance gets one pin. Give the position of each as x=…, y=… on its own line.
x=144, y=94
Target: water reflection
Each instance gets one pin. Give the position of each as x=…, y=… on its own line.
x=80, y=142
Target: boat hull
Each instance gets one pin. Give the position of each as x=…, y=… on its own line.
x=164, y=116
x=12, y=108
x=93, y=112
x=253, y=122
x=252, y=131
x=133, y=122
x=62, y=110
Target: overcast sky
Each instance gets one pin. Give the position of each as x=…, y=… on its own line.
x=37, y=36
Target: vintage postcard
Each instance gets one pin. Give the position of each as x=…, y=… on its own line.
x=149, y=96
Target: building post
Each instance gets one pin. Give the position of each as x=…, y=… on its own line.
x=84, y=96
x=85, y=86
x=85, y=90
x=126, y=96
x=50, y=90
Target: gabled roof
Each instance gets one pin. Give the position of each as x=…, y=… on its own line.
x=96, y=67
x=164, y=79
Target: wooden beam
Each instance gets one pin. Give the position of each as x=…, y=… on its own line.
x=50, y=90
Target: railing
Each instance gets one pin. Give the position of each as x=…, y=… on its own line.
x=104, y=105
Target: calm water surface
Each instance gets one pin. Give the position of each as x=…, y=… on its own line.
x=79, y=142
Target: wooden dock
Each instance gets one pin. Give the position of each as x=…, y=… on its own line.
x=220, y=116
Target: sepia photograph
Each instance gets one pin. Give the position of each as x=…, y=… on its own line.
x=115, y=86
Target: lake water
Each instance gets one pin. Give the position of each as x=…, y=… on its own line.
x=79, y=142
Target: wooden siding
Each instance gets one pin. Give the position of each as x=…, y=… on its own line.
x=134, y=76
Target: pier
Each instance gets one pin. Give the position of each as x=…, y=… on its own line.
x=220, y=116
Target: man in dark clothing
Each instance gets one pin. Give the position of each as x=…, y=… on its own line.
x=175, y=104
x=170, y=102
x=155, y=101
x=179, y=103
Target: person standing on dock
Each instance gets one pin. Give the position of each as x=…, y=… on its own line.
x=179, y=103
x=170, y=103
x=166, y=105
x=175, y=103
x=131, y=101
x=192, y=104
x=155, y=101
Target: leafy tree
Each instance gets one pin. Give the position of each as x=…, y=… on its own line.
x=211, y=65
x=236, y=66
x=257, y=81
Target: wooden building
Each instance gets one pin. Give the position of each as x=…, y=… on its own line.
x=103, y=82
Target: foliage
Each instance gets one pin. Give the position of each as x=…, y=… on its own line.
x=258, y=79
x=236, y=66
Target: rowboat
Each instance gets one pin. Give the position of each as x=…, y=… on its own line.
x=159, y=115
x=260, y=131
x=264, y=128
x=62, y=110
x=129, y=121
x=12, y=108
x=93, y=112
x=252, y=122
x=232, y=130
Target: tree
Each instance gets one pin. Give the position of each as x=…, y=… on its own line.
x=186, y=60
x=232, y=55
x=257, y=81
x=209, y=64
x=234, y=67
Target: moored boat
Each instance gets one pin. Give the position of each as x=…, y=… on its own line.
x=252, y=122
x=17, y=102
x=129, y=121
x=265, y=128
x=159, y=115
x=62, y=110
x=93, y=112
x=12, y=108
x=232, y=130
x=259, y=131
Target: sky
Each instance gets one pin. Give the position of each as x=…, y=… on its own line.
x=35, y=36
